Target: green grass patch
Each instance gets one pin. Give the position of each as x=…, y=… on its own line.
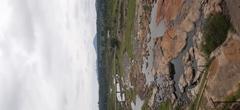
x=166, y=105
x=215, y=32
x=126, y=43
x=234, y=97
x=131, y=95
x=113, y=60
x=129, y=29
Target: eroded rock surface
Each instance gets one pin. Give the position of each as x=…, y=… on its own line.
x=168, y=10
x=224, y=70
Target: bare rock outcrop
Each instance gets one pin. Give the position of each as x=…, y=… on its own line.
x=224, y=70
x=167, y=10
x=172, y=43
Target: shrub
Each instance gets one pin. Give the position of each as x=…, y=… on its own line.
x=215, y=32
x=115, y=43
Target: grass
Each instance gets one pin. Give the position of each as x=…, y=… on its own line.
x=112, y=89
x=129, y=29
x=126, y=46
x=109, y=55
x=166, y=105
x=113, y=60
x=131, y=95
x=126, y=43
x=215, y=32
x=233, y=97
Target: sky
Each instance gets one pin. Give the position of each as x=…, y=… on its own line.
x=47, y=56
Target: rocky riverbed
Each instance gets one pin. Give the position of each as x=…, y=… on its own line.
x=169, y=63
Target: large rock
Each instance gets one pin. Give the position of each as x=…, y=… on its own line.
x=175, y=36
x=188, y=23
x=172, y=43
x=160, y=63
x=224, y=70
x=167, y=10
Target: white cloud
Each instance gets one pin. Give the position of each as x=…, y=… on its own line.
x=47, y=56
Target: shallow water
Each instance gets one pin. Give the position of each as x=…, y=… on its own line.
x=156, y=30
x=179, y=66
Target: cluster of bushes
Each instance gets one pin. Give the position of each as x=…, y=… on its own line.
x=115, y=43
x=215, y=32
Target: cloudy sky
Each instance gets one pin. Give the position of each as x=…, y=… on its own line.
x=47, y=56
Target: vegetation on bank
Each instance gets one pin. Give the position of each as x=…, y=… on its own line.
x=114, y=17
x=167, y=105
x=129, y=30
x=231, y=98
x=105, y=16
x=215, y=32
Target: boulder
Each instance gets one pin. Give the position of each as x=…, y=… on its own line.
x=172, y=43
